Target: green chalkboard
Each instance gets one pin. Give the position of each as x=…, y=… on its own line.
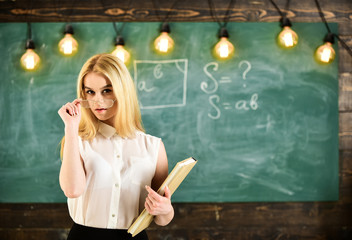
x=263, y=125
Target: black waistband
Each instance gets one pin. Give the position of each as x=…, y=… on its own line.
x=91, y=233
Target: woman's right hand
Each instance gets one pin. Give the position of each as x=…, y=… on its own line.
x=70, y=113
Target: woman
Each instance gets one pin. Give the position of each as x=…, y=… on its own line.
x=110, y=168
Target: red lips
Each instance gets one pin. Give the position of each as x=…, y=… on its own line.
x=100, y=110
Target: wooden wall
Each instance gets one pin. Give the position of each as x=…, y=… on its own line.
x=295, y=220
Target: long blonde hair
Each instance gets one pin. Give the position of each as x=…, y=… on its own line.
x=128, y=116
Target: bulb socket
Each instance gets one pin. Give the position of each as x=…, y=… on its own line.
x=329, y=37
x=223, y=33
x=165, y=27
x=68, y=29
x=30, y=44
x=285, y=22
x=119, y=41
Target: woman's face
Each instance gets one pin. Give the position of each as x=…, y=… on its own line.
x=99, y=89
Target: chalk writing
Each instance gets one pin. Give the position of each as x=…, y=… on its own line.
x=157, y=71
x=212, y=86
x=267, y=125
x=244, y=74
x=204, y=85
x=212, y=100
x=161, y=84
x=245, y=105
x=252, y=104
x=142, y=87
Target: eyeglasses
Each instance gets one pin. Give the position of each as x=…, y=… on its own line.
x=104, y=103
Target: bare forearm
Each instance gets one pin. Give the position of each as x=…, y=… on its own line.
x=72, y=174
x=163, y=220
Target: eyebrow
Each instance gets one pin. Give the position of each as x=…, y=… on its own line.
x=106, y=86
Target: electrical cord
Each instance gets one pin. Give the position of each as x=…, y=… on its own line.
x=343, y=44
x=215, y=17
x=168, y=12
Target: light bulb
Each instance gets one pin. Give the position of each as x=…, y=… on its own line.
x=120, y=50
x=121, y=53
x=224, y=48
x=68, y=45
x=164, y=43
x=287, y=38
x=325, y=53
x=30, y=60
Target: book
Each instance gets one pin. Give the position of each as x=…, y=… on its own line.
x=173, y=180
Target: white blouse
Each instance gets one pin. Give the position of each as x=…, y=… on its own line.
x=117, y=170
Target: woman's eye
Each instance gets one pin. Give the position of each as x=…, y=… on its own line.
x=107, y=91
x=89, y=92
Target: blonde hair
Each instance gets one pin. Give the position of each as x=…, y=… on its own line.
x=128, y=116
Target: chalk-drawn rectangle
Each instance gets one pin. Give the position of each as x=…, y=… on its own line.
x=161, y=84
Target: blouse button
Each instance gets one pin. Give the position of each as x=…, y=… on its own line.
x=118, y=156
x=116, y=185
x=113, y=215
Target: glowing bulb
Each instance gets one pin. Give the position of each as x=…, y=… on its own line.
x=121, y=53
x=30, y=60
x=68, y=45
x=224, y=48
x=120, y=50
x=325, y=53
x=287, y=38
x=164, y=43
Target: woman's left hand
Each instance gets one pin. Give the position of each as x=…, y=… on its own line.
x=157, y=204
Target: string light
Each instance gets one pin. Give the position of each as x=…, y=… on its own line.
x=120, y=51
x=164, y=43
x=30, y=59
x=224, y=48
x=68, y=46
x=287, y=38
x=325, y=54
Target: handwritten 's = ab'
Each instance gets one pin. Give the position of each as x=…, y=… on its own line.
x=214, y=100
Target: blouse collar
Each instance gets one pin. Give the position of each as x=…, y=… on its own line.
x=106, y=130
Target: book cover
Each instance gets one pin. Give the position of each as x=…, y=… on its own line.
x=173, y=180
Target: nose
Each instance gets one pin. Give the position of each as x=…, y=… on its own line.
x=98, y=98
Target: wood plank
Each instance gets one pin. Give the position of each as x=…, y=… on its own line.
x=345, y=95
x=27, y=215
x=201, y=215
x=286, y=233
x=345, y=59
x=33, y=234
x=345, y=130
x=254, y=10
